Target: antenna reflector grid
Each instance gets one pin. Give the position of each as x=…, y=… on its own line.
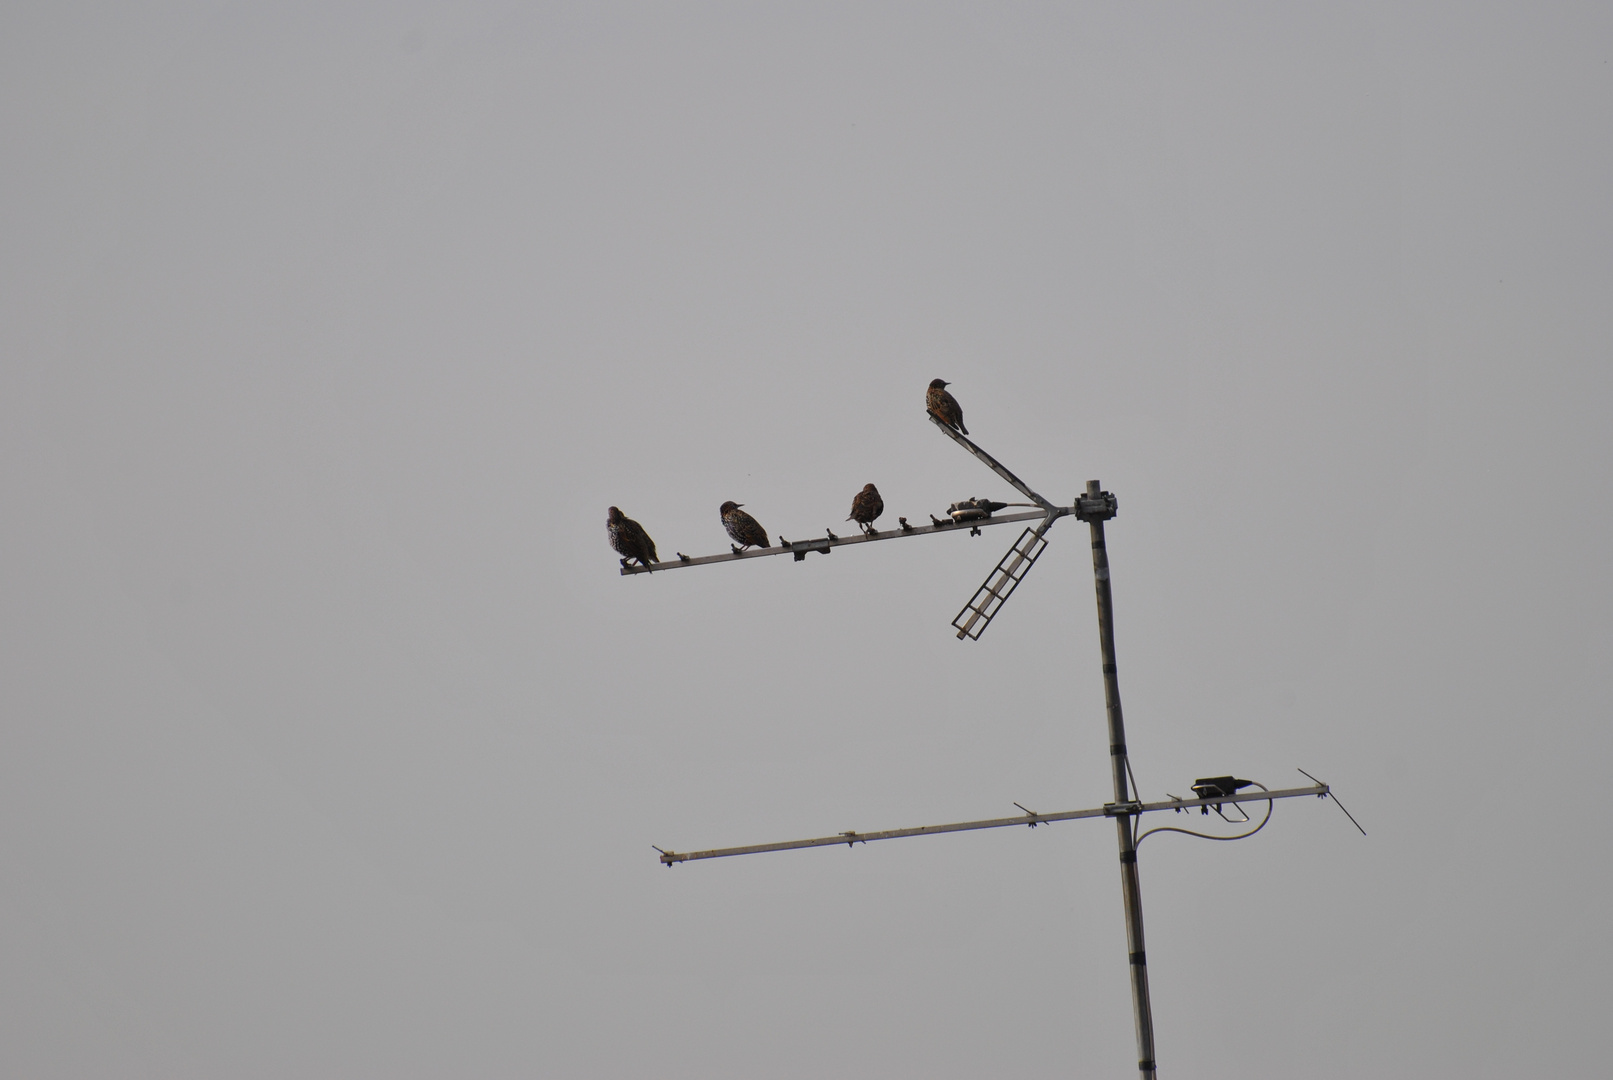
x=1000, y=584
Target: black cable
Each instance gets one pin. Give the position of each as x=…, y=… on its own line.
x=1208, y=836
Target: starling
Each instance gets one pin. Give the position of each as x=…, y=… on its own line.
x=866, y=506
x=944, y=407
x=629, y=538
x=745, y=530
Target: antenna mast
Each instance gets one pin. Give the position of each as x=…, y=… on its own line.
x=1094, y=507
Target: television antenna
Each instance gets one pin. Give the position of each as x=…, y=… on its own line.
x=1095, y=506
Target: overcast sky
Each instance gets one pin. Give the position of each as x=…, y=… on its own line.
x=334, y=744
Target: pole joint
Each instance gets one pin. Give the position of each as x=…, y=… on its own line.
x=1096, y=506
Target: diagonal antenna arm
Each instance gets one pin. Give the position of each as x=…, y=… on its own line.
x=993, y=464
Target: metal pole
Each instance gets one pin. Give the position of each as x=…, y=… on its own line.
x=1096, y=508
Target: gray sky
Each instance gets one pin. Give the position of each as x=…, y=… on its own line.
x=334, y=745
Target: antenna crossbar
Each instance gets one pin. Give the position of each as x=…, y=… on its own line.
x=801, y=548
x=1031, y=819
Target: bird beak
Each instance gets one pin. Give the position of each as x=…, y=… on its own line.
x=738, y=505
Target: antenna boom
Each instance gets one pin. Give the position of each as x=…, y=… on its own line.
x=1111, y=810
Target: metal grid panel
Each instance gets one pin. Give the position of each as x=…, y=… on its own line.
x=1000, y=584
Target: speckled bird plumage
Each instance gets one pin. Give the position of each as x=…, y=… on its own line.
x=629, y=538
x=866, y=505
x=745, y=530
x=944, y=407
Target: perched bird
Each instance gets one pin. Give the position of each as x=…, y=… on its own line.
x=866, y=506
x=629, y=538
x=944, y=407
x=745, y=530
